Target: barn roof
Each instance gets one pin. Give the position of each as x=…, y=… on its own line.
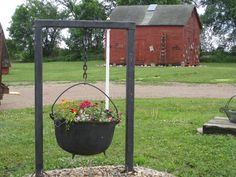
x=161, y=15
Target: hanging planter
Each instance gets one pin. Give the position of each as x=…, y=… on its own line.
x=84, y=128
x=229, y=111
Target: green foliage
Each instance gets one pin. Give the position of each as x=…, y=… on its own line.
x=12, y=50
x=67, y=55
x=90, y=10
x=85, y=10
x=21, y=33
x=220, y=19
x=233, y=51
x=218, y=56
x=21, y=30
x=212, y=57
x=165, y=139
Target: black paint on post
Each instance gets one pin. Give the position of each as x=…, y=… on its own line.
x=84, y=24
x=39, y=24
x=129, y=146
x=38, y=103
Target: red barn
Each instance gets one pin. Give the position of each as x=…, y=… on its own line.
x=165, y=34
x=4, y=63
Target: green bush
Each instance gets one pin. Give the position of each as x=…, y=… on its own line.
x=217, y=57
x=67, y=55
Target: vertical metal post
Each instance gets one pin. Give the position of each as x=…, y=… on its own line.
x=129, y=146
x=107, y=83
x=38, y=103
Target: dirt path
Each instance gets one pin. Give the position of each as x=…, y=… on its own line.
x=52, y=90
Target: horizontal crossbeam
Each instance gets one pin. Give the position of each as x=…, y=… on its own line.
x=84, y=24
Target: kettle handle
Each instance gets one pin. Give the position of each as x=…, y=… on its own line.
x=223, y=109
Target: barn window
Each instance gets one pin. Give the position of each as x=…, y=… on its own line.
x=152, y=7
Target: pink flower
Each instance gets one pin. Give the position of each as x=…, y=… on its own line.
x=85, y=104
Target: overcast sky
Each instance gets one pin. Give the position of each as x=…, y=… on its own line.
x=7, y=9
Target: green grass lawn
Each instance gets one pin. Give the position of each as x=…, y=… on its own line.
x=165, y=139
x=72, y=71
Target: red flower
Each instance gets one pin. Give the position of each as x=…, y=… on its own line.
x=85, y=104
x=73, y=110
x=110, y=110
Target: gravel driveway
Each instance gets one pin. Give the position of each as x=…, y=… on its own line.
x=52, y=90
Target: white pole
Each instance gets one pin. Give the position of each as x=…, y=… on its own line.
x=107, y=68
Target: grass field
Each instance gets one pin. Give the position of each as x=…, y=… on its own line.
x=165, y=139
x=72, y=71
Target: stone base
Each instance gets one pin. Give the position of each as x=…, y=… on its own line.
x=219, y=125
x=105, y=171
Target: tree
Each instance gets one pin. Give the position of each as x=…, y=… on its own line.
x=220, y=19
x=21, y=29
x=109, y=5
x=21, y=32
x=85, y=10
x=233, y=50
x=70, y=6
x=46, y=10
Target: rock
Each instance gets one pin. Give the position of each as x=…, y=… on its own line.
x=107, y=171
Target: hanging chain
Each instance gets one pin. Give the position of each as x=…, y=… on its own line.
x=85, y=44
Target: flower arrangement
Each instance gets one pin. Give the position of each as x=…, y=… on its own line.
x=85, y=111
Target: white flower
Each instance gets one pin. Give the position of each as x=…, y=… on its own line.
x=78, y=118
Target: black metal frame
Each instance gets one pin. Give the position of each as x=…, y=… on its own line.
x=39, y=24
